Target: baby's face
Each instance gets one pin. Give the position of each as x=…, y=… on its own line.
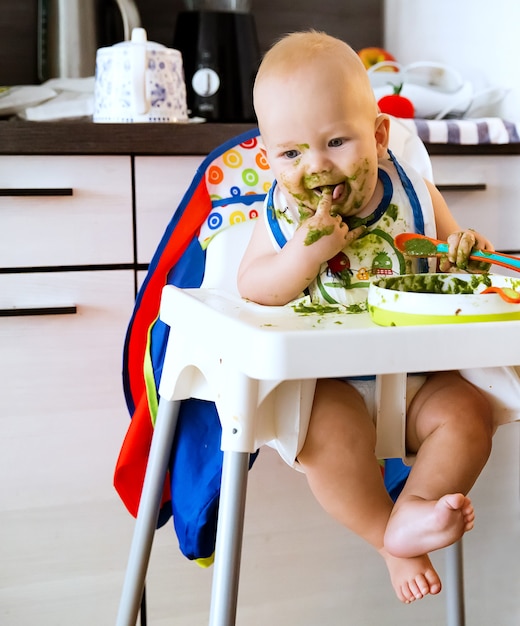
x=317, y=134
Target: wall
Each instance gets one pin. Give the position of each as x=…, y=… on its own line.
x=357, y=21
x=477, y=37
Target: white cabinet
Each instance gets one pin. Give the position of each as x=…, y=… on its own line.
x=160, y=184
x=61, y=406
x=59, y=210
x=65, y=533
x=482, y=192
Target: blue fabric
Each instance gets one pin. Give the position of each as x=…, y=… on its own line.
x=196, y=469
x=196, y=459
x=273, y=219
x=416, y=207
x=396, y=473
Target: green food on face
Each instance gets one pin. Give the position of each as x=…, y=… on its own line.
x=311, y=181
x=419, y=247
x=317, y=233
x=434, y=283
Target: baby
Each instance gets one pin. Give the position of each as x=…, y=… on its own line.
x=338, y=201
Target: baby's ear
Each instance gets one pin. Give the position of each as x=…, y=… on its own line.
x=382, y=134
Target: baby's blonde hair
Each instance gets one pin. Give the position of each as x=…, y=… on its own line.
x=299, y=49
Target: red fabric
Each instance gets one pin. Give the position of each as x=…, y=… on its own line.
x=133, y=458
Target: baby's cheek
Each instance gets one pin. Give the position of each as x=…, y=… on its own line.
x=362, y=188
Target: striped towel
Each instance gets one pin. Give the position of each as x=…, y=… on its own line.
x=489, y=130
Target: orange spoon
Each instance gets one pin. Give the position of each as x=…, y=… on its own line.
x=506, y=293
x=413, y=244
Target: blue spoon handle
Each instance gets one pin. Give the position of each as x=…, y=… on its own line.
x=505, y=260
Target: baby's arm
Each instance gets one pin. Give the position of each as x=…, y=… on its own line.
x=460, y=242
x=275, y=278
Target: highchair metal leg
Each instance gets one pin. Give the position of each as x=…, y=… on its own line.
x=148, y=513
x=455, y=614
x=228, y=549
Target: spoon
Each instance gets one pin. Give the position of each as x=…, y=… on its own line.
x=413, y=244
x=506, y=293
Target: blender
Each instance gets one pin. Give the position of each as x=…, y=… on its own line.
x=221, y=54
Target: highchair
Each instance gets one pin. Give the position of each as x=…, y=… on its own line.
x=202, y=247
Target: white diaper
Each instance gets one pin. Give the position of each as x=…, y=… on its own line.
x=367, y=389
x=501, y=385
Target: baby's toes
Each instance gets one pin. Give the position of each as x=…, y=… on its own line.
x=422, y=585
x=406, y=595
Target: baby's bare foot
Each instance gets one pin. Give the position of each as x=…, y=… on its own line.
x=413, y=578
x=417, y=526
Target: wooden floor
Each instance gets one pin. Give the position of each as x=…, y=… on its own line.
x=63, y=549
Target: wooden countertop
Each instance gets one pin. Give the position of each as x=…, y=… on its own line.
x=18, y=137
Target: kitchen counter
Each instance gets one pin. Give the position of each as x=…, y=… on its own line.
x=84, y=137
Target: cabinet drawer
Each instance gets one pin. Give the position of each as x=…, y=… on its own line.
x=160, y=184
x=62, y=421
x=60, y=210
x=484, y=196
x=62, y=410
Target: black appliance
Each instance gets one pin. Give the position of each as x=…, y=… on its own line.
x=221, y=55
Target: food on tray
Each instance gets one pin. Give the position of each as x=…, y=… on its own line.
x=434, y=283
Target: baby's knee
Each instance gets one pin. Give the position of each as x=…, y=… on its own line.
x=447, y=400
x=476, y=407
x=472, y=418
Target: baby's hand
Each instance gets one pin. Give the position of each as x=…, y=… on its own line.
x=460, y=246
x=325, y=230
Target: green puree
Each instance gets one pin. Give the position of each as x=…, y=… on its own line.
x=419, y=247
x=314, y=234
x=321, y=309
x=434, y=283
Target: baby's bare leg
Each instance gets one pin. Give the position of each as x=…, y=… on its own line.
x=450, y=426
x=344, y=475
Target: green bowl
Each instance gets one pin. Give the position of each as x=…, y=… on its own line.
x=415, y=299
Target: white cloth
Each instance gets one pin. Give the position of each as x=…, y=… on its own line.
x=481, y=131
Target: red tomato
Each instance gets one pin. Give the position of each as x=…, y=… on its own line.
x=397, y=105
